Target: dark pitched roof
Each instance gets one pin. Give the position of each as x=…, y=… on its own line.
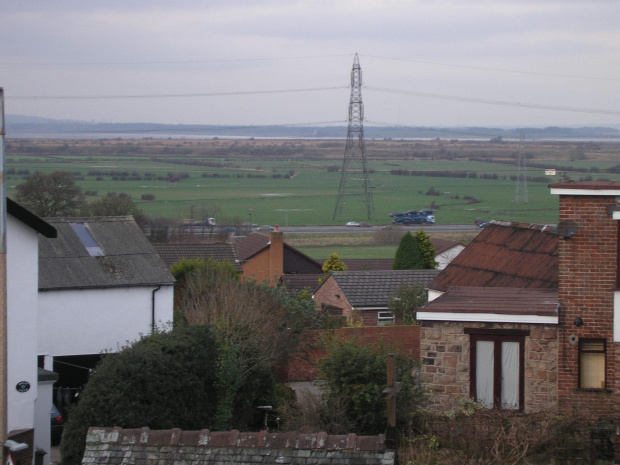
x=301, y=281
x=505, y=255
x=30, y=219
x=128, y=258
x=373, y=288
x=368, y=264
x=249, y=245
x=495, y=300
x=294, y=259
x=441, y=245
x=222, y=251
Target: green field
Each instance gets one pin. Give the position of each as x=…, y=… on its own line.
x=255, y=189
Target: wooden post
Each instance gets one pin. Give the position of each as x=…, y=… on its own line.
x=389, y=394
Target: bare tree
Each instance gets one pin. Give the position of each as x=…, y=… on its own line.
x=262, y=322
x=49, y=195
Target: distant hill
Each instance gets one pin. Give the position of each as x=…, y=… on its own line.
x=19, y=126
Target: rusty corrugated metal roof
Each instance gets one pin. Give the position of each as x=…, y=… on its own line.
x=505, y=255
x=494, y=300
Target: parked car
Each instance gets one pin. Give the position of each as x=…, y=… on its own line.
x=57, y=425
x=353, y=224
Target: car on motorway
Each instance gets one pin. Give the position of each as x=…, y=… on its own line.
x=57, y=425
x=353, y=224
x=481, y=223
x=265, y=227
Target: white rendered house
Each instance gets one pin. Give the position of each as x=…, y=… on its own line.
x=101, y=285
x=26, y=384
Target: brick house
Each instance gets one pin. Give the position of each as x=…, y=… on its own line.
x=270, y=259
x=366, y=293
x=589, y=295
x=491, y=330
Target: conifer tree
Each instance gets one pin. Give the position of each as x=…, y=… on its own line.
x=427, y=250
x=408, y=254
x=333, y=263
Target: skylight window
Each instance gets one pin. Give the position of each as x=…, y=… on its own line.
x=87, y=239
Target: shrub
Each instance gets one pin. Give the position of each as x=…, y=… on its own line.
x=355, y=375
x=180, y=379
x=469, y=433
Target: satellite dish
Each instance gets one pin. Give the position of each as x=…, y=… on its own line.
x=567, y=229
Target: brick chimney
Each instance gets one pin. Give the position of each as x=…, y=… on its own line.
x=276, y=256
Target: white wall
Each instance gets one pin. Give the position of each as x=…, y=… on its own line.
x=22, y=279
x=90, y=321
x=446, y=257
x=42, y=420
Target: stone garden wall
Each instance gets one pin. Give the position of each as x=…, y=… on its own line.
x=115, y=446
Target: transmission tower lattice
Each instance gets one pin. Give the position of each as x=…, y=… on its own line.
x=521, y=189
x=355, y=191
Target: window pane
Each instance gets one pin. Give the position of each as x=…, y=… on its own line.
x=510, y=375
x=88, y=241
x=592, y=370
x=484, y=372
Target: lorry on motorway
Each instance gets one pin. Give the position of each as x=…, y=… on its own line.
x=424, y=216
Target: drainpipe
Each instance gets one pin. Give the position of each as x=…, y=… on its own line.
x=153, y=308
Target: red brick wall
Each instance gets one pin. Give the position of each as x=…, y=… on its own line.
x=587, y=268
x=26, y=456
x=301, y=365
x=268, y=265
x=330, y=294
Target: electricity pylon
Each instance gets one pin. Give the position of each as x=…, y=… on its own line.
x=521, y=189
x=355, y=191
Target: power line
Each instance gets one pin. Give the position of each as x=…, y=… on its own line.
x=499, y=70
x=505, y=103
x=173, y=62
x=158, y=96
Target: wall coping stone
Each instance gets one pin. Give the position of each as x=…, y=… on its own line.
x=259, y=440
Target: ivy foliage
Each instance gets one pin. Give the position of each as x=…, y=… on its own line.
x=356, y=374
x=180, y=379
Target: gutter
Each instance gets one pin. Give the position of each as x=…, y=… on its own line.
x=153, y=308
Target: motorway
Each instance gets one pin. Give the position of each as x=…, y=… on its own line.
x=344, y=229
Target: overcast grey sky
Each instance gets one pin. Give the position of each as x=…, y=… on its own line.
x=430, y=63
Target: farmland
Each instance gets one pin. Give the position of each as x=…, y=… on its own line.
x=295, y=182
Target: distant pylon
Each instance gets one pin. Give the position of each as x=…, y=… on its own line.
x=521, y=189
x=355, y=192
